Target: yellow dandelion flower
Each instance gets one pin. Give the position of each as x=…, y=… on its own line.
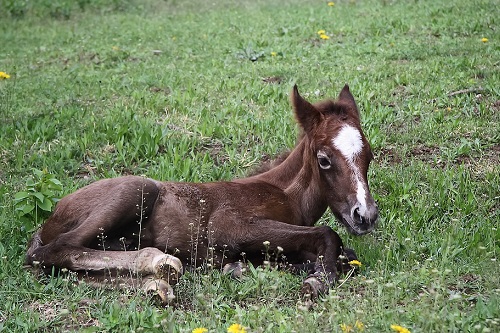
x=359, y=325
x=236, y=328
x=356, y=263
x=274, y=54
x=4, y=75
x=331, y=3
x=116, y=48
x=346, y=328
x=484, y=40
x=200, y=330
x=321, y=32
x=324, y=36
x=400, y=329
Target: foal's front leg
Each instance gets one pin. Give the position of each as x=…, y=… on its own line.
x=298, y=244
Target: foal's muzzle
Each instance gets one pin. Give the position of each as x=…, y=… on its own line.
x=361, y=220
x=368, y=215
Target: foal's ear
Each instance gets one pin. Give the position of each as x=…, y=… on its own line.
x=346, y=97
x=307, y=115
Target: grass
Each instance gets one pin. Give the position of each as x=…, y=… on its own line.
x=192, y=91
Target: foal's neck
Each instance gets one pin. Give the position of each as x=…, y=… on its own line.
x=298, y=177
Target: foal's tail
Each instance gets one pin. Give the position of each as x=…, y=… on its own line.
x=34, y=244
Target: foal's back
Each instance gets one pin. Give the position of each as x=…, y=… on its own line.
x=130, y=212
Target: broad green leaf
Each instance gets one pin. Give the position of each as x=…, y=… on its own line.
x=39, y=196
x=48, y=193
x=28, y=208
x=55, y=183
x=46, y=205
x=19, y=196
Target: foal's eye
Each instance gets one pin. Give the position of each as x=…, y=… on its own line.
x=324, y=162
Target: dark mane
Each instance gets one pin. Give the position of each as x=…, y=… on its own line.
x=269, y=163
x=328, y=106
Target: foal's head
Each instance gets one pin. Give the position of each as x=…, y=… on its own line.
x=341, y=154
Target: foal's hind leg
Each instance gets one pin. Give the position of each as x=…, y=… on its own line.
x=149, y=269
x=153, y=285
x=68, y=238
x=144, y=262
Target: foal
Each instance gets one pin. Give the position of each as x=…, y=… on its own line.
x=139, y=225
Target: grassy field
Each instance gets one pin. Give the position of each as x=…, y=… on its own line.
x=198, y=91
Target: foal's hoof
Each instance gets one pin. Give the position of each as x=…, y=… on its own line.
x=344, y=259
x=236, y=269
x=167, y=268
x=160, y=289
x=312, y=287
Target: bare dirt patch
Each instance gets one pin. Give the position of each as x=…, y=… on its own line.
x=480, y=162
x=272, y=79
x=216, y=151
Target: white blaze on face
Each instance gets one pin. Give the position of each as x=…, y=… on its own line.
x=350, y=144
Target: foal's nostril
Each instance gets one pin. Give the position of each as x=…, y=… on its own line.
x=358, y=217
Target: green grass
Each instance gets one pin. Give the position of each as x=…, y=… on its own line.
x=169, y=89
